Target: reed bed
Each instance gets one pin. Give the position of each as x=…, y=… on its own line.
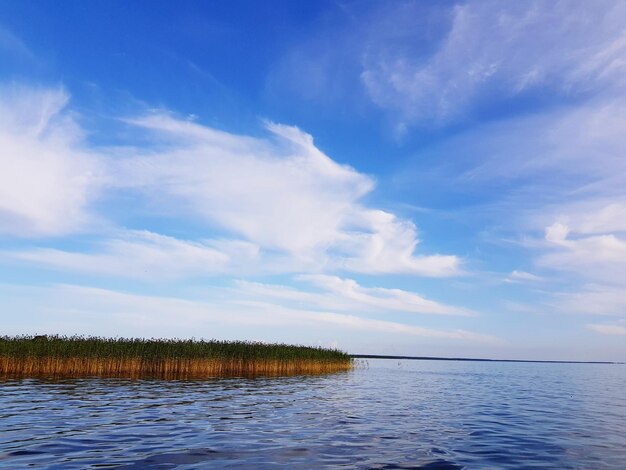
x=80, y=356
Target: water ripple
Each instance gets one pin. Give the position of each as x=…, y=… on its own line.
x=428, y=415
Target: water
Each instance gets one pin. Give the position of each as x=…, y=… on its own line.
x=390, y=414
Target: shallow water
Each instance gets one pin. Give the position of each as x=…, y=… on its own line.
x=386, y=414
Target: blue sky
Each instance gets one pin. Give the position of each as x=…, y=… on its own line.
x=428, y=178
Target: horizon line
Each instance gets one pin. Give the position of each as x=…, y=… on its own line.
x=473, y=359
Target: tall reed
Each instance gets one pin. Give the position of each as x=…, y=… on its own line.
x=80, y=356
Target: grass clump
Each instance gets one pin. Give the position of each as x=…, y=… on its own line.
x=83, y=356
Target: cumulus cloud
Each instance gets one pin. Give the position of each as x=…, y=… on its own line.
x=493, y=51
x=339, y=294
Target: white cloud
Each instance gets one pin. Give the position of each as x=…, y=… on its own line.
x=594, y=299
x=562, y=172
x=379, y=242
x=146, y=255
x=381, y=298
x=517, y=307
x=357, y=323
x=282, y=194
x=557, y=233
x=278, y=193
x=495, y=51
x=595, y=256
x=582, y=145
x=563, y=165
x=523, y=276
x=73, y=309
x=590, y=260
x=47, y=179
x=347, y=295
x=597, y=261
x=604, y=329
x=76, y=309
x=595, y=215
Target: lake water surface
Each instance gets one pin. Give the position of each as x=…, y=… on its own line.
x=386, y=414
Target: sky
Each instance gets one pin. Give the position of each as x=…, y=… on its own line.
x=395, y=177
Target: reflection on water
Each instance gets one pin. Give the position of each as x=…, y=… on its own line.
x=385, y=414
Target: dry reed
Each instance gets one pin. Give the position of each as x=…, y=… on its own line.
x=55, y=356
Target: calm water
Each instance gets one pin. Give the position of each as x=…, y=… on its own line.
x=390, y=414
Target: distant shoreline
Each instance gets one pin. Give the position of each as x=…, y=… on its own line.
x=472, y=359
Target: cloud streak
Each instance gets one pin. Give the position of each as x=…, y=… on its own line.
x=338, y=294
x=278, y=193
x=493, y=52
x=523, y=276
x=78, y=309
x=593, y=299
x=602, y=256
x=146, y=256
x=613, y=330
x=48, y=178
x=282, y=194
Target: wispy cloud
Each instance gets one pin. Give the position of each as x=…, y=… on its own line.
x=597, y=256
x=552, y=176
x=279, y=193
x=145, y=255
x=514, y=116
x=78, y=309
x=523, y=276
x=493, y=52
x=598, y=214
x=340, y=294
x=358, y=323
x=606, y=329
x=593, y=299
x=14, y=46
x=48, y=177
